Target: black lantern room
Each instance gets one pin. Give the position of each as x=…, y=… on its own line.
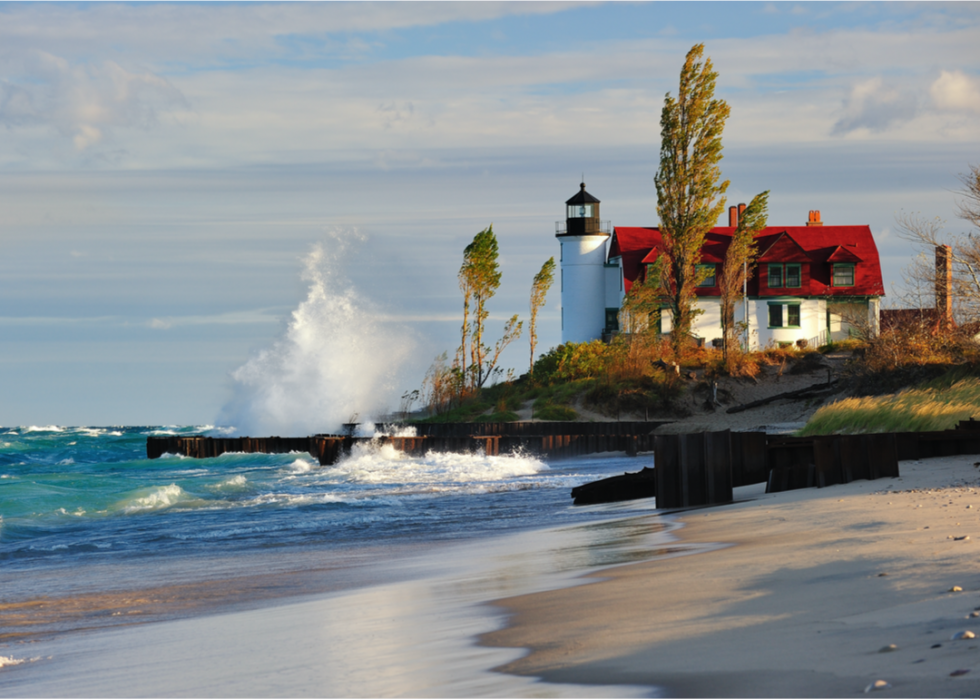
x=582, y=214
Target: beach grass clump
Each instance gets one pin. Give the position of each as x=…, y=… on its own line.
x=934, y=406
x=555, y=413
x=499, y=416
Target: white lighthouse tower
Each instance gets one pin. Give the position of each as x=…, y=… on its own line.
x=583, y=258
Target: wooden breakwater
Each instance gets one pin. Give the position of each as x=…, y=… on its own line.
x=690, y=469
x=701, y=469
x=547, y=439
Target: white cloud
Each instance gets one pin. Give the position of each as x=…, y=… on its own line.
x=956, y=91
x=875, y=106
x=230, y=318
x=84, y=102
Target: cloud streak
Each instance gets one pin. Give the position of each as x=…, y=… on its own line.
x=83, y=102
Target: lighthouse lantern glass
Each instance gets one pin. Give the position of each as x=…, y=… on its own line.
x=580, y=211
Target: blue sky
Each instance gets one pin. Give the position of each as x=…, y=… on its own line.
x=166, y=171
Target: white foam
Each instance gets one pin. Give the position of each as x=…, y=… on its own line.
x=237, y=481
x=369, y=429
x=45, y=428
x=66, y=462
x=302, y=466
x=382, y=463
x=7, y=660
x=77, y=513
x=158, y=498
x=91, y=431
x=333, y=361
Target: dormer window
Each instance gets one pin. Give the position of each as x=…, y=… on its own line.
x=794, y=280
x=580, y=211
x=785, y=275
x=710, y=276
x=775, y=277
x=843, y=274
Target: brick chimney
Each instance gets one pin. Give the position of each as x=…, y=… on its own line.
x=734, y=214
x=814, y=219
x=944, y=287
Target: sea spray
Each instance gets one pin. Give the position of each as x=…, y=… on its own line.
x=334, y=362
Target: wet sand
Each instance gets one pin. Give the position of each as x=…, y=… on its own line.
x=410, y=633
x=814, y=589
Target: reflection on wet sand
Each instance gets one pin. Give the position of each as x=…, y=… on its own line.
x=415, y=636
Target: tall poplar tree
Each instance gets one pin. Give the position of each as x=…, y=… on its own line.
x=539, y=292
x=739, y=265
x=689, y=184
x=479, y=279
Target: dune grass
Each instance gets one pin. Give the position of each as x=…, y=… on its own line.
x=936, y=405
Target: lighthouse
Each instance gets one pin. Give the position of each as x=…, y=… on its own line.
x=583, y=239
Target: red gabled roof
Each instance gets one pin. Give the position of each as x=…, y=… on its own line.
x=781, y=247
x=819, y=246
x=842, y=254
x=632, y=245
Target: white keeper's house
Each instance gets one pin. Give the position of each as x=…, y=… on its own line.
x=809, y=279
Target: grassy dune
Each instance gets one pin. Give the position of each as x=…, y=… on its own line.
x=937, y=405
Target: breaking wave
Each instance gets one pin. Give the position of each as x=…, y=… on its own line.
x=333, y=362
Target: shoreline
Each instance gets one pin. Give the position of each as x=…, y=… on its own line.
x=54, y=590
x=412, y=631
x=812, y=586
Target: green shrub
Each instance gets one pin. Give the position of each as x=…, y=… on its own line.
x=572, y=361
x=557, y=413
x=505, y=416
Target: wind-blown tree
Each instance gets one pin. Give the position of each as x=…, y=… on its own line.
x=465, y=287
x=479, y=279
x=689, y=184
x=539, y=293
x=738, y=267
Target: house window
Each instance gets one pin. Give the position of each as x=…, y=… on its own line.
x=794, y=279
x=776, y=315
x=843, y=274
x=775, y=277
x=612, y=320
x=792, y=315
x=711, y=278
x=777, y=319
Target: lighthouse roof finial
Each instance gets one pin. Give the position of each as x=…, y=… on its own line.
x=582, y=197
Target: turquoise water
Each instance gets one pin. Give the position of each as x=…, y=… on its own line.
x=96, y=540
x=87, y=496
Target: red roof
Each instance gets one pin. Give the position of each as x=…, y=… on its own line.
x=815, y=248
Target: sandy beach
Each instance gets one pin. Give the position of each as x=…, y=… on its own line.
x=813, y=593
x=816, y=592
